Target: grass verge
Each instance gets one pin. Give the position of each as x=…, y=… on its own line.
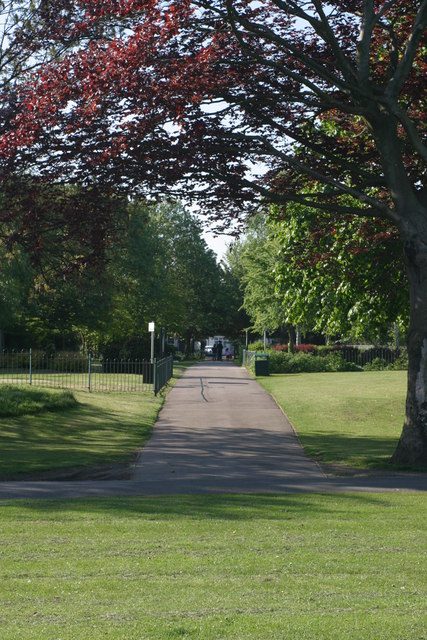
x=352, y=419
x=55, y=431
x=305, y=567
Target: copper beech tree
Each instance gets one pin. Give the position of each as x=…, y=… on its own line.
x=325, y=101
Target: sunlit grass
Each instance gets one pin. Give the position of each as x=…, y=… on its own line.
x=353, y=419
x=303, y=567
x=98, y=381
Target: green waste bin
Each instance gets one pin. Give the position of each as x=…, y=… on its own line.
x=262, y=365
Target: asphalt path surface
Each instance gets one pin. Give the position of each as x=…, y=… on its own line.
x=219, y=431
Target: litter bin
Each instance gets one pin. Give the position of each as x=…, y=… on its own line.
x=262, y=365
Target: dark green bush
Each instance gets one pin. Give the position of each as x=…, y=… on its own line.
x=377, y=364
x=256, y=346
x=336, y=362
x=17, y=400
x=282, y=362
x=400, y=364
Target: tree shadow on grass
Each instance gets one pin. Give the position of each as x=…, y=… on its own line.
x=232, y=507
x=51, y=444
x=344, y=450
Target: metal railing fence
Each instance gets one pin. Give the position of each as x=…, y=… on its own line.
x=163, y=372
x=84, y=372
x=367, y=356
x=247, y=357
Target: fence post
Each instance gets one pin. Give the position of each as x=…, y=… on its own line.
x=155, y=376
x=88, y=377
x=31, y=366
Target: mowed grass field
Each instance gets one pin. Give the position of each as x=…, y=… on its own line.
x=342, y=419
x=298, y=567
x=353, y=419
x=312, y=567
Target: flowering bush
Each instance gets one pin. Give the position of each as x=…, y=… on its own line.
x=299, y=348
x=279, y=347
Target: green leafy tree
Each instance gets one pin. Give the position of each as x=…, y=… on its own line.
x=233, y=318
x=254, y=260
x=53, y=259
x=193, y=275
x=16, y=279
x=340, y=276
x=164, y=272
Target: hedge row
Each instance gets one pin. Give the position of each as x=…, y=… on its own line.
x=282, y=362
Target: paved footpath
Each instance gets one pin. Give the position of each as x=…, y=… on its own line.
x=219, y=431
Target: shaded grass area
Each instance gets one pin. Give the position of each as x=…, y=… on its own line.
x=312, y=567
x=352, y=419
x=18, y=401
x=85, y=430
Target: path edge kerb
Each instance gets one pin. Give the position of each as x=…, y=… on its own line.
x=319, y=466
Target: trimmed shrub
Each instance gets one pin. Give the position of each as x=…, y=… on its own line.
x=306, y=348
x=279, y=347
x=336, y=362
x=299, y=348
x=276, y=361
x=282, y=362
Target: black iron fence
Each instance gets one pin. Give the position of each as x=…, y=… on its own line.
x=69, y=371
x=363, y=357
x=162, y=372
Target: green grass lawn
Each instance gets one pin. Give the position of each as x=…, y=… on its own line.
x=312, y=567
x=352, y=419
x=58, y=435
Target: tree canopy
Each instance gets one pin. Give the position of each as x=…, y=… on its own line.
x=342, y=276
x=254, y=259
x=151, y=93
x=158, y=268
x=200, y=96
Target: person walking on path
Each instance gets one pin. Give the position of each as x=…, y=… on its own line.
x=219, y=350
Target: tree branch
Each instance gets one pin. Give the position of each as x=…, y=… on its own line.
x=267, y=34
x=364, y=44
x=411, y=130
x=325, y=179
x=404, y=67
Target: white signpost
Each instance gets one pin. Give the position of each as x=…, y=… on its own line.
x=151, y=329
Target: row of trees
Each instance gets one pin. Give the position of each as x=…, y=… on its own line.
x=340, y=278
x=157, y=268
x=154, y=97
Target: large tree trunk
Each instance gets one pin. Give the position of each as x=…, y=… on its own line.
x=412, y=446
x=411, y=219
